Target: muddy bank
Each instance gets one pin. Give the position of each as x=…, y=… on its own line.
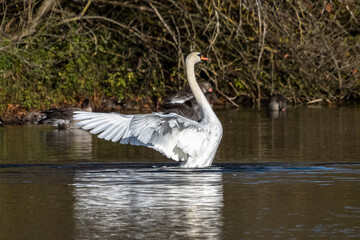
x=15, y=114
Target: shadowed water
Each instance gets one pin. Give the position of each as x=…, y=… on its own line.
x=296, y=176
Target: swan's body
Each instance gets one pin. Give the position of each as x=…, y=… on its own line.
x=63, y=118
x=179, y=138
x=277, y=103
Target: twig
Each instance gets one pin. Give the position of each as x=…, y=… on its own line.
x=163, y=22
x=80, y=15
x=3, y=18
x=217, y=27
x=228, y=98
x=258, y=3
x=315, y=101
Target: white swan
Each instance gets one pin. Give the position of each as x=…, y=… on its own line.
x=177, y=137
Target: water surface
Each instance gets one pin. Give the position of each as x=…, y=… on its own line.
x=294, y=176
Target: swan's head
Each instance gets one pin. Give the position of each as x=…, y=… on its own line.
x=196, y=57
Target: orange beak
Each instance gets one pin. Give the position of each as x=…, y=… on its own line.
x=204, y=58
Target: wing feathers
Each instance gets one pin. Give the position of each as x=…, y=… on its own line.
x=176, y=137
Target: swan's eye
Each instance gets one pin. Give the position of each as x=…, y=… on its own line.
x=199, y=55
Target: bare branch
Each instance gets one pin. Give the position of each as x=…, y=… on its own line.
x=29, y=28
x=163, y=22
x=80, y=15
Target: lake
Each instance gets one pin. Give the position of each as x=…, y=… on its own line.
x=293, y=175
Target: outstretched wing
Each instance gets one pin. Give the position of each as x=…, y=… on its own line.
x=176, y=137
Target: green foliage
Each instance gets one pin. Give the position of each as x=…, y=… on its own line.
x=119, y=84
x=303, y=49
x=5, y=62
x=50, y=71
x=239, y=84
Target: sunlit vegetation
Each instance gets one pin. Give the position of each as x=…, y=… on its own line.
x=55, y=52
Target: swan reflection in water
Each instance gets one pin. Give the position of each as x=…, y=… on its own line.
x=135, y=204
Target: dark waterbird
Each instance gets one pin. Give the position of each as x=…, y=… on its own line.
x=277, y=103
x=62, y=118
x=184, y=95
x=190, y=109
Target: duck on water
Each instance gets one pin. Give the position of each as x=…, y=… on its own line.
x=184, y=95
x=190, y=109
x=277, y=102
x=177, y=137
x=184, y=103
x=63, y=117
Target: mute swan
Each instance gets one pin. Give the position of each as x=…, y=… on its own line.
x=177, y=137
x=62, y=118
x=277, y=103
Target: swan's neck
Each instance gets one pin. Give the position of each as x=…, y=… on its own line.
x=205, y=107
